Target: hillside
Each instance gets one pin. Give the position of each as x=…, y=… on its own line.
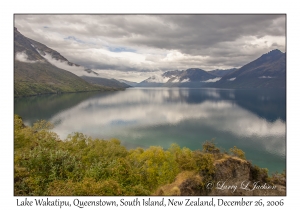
x=268, y=71
x=56, y=56
x=130, y=83
x=106, y=82
x=44, y=78
x=34, y=75
x=221, y=73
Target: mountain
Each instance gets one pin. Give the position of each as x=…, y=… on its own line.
x=40, y=69
x=34, y=75
x=59, y=61
x=106, y=82
x=221, y=73
x=267, y=71
x=56, y=58
x=189, y=75
x=184, y=78
x=132, y=84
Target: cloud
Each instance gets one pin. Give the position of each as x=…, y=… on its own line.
x=185, y=80
x=134, y=76
x=78, y=70
x=158, y=78
x=213, y=80
x=22, y=56
x=157, y=42
x=133, y=107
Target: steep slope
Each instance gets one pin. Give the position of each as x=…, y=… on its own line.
x=60, y=61
x=34, y=75
x=43, y=78
x=23, y=45
x=56, y=57
x=268, y=71
x=221, y=73
x=196, y=75
x=233, y=176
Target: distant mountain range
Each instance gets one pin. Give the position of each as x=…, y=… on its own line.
x=132, y=84
x=268, y=71
x=185, y=78
x=106, y=82
x=40, y=70
x=221, y=72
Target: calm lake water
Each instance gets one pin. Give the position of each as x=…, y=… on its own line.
x=252, y=120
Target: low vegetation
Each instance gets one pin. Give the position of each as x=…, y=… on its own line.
x=43, y=78
x=80, y=165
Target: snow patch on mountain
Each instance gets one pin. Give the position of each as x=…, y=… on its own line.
x=266, y=77
x=232, y=79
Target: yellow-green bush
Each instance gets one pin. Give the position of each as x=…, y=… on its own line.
x=154, y=166
x=238, y=152
x=81, y=165
x=87, y=187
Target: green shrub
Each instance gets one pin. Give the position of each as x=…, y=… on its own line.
x=259, y=174
x=81, y=165
x=204, y=163
x=154, y=166
x=210, y=147
x=87, y=187
x=238, y=152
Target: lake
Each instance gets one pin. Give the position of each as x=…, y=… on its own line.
x=252, y=120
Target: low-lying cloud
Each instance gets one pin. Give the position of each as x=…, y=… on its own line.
x=134, y=76
x=78, y=70
x=144, y=43
x=213, y=80
x=22, y=56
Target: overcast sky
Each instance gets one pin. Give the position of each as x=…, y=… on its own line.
x=134, y=47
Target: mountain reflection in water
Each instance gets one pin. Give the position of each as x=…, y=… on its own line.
x=253, y=120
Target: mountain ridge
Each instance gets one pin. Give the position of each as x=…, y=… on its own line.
x=267, y=71
x=176, y=77
x=44, y=50
x=34, y=75
x=222, y=72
